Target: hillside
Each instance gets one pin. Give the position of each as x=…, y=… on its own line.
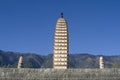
x=10, y=59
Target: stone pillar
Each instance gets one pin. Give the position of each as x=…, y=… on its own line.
x=20, y=62
x=101, y=63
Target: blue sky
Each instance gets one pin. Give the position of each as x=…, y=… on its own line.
x=28, y=25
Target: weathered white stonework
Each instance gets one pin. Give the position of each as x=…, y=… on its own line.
x=60, y=58
x=101, y=63
x=20, y=62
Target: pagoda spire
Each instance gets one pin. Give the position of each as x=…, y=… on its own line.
x=61, y=15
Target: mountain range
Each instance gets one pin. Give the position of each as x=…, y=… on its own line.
x=10, y=59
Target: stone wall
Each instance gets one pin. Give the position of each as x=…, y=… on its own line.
x=59, y=74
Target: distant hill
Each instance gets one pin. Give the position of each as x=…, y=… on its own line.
x=10, y=59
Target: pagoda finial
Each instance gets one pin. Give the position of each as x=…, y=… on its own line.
x=61, y=15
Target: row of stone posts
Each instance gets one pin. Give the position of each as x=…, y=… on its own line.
x=101, y=62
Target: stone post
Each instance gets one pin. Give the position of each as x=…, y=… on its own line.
x=101, y=63
x=20, y=63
